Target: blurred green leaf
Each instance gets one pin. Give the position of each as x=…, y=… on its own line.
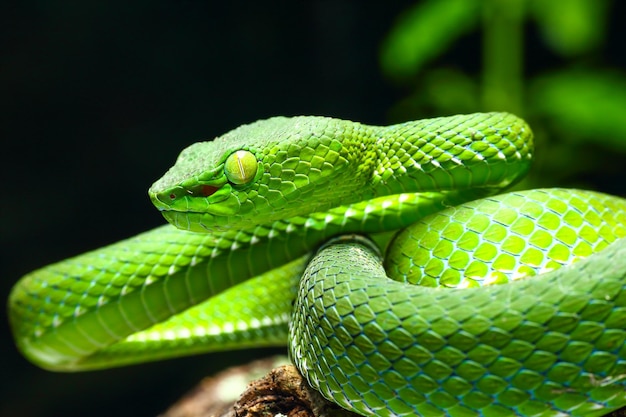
x=571, y=27
x=425, y=31
x=584, y=106
x=443, y=91
x=452, y=91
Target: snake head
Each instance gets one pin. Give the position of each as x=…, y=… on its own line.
x=199, y=185
x=252, y=175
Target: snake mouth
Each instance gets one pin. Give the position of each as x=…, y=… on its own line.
x=196, y=221
x=202, y=208
x=199, y=198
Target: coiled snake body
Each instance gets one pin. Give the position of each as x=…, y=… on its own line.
x=247, y=207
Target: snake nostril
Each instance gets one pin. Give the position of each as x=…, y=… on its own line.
x=174, y=194
x=168, y=197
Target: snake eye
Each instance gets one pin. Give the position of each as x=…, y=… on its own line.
x=240, y=167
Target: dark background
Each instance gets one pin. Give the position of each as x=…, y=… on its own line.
x=98, y=98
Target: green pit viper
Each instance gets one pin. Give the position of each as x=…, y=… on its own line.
x=235, y=270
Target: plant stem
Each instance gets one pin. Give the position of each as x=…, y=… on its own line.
x=502, y=55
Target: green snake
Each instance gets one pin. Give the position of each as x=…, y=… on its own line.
x=235, y=270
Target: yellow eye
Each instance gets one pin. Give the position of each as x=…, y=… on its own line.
x=240, y=167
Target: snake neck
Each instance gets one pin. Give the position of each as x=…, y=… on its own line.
x=476, y=154
x=488, y=151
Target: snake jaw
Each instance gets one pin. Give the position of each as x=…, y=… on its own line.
x=184, y=198
x=188, y=208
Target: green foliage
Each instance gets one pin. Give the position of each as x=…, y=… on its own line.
x=584, y=106
x=459, y=56
x=571, y=27
x=424, y=31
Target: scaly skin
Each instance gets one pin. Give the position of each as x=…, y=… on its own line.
x=550, y=345
x=253, y=202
